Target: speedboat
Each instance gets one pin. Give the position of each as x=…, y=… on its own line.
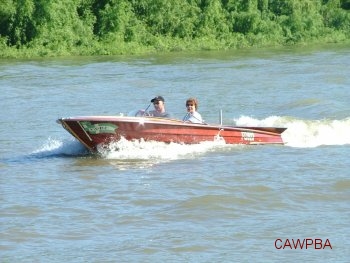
x=94, y=131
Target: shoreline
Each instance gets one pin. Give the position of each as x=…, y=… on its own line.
x=33, y=53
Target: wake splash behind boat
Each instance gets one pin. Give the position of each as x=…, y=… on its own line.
x=305, y=133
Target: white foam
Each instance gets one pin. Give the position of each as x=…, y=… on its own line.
x=57, y=147
x=305, y=133
x=152, y=150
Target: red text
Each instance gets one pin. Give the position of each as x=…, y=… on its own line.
x=306, y=243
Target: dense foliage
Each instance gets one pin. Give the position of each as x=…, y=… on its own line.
x=91, y=27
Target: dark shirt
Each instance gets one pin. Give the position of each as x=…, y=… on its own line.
x=161, y=115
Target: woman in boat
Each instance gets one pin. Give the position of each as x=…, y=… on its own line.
x=192, y=115
x=159, y=108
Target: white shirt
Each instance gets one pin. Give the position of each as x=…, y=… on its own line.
x=194, y=117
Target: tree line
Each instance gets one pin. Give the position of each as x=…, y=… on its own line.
x=102, y=27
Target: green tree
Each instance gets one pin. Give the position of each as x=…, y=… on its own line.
x=176, y=18
x=17, y=23
x=213, y=19
x=63, y=24
x=57, y=27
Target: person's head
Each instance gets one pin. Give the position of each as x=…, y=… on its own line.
x=191, y=104
x=158, y=103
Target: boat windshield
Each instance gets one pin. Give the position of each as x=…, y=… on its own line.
x=138, y=113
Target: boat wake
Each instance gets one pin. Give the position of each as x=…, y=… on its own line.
x=149, y=152
x=305, y=133
x=60, y=148
x=52, y=148
x=152, y=150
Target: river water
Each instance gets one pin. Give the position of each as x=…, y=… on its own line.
x=153, y=202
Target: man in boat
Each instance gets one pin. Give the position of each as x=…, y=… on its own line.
x=159, y=108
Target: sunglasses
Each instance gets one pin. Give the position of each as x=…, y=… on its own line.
x=187, y=105
x=156, y=103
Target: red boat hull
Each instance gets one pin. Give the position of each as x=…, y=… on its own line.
x=95, y=130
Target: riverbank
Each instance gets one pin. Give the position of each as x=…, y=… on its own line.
x=164, y=45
